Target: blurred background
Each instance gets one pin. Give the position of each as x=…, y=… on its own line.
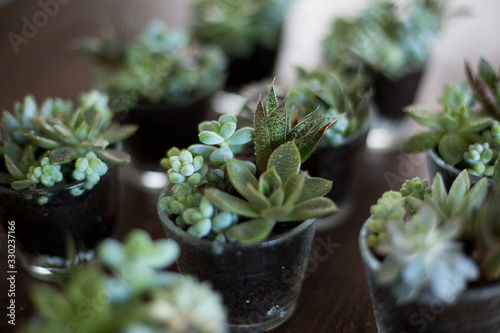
x=45, y=65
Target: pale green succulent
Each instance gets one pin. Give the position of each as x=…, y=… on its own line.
x=243, y=203
x=55, y=144
x=158, y=65
x=423, y=236
x=238, y=26
x=385, y=37
x=451, y=131
x=131, y=284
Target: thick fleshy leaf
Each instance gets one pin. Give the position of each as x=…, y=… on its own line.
x=43, y=142
x=276, y=123
x=477, y=125
x=210, y=138
x=202, y=150
x=219, y=156
x=6, y=178
x=279, y=213
x=63, y=155
x=65, y=134
x=477, y=194
x=293, y=187
x=262, y=140
x=10, y=121
x=227, y=130
x=439, y=193
x=96, y=144
x=308, y=143
x=286, y=160
x=241, y=136
x=425, y=117
x=256, y=199
x=21, y=184
x=496, y=173
x=277, y=198
x=452, y=148
x=314, y=187
x=312, y=208
x=458, y=191
x=251, y=232
x=487, y=73
x=240, y=176
x=230, y=203
x=14, y=152
x=13, y=168
x=272, y=101
x=303, y=127
x=113, y=156
x=271, y=179
x=422, y=141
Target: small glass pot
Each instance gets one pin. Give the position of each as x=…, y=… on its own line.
x=259, y=283
x=42, y=231
x=475, y=310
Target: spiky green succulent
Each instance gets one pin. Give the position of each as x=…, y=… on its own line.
x=452, y=130
x=385, y=37
x=131, y=283
x=336, y=96
x=486, y=86
x=55, y=144
x=423, y=236
x=238, y=26
x=243, y=203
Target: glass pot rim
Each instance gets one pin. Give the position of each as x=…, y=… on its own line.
x=203, y=242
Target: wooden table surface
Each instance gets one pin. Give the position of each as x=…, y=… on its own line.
x=334, y=297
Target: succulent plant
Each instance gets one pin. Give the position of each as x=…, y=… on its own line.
x=451, y=131
x=240, y=199
x=160, y=66
x=335, y=95
x=486, y=86
x=424, y=235
x=237, y=26
x=55, y=144
x=131, y=284
x=385, y=37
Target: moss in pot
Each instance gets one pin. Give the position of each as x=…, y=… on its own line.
x=163, y=81
x=430, y=250
x=58, y=176
x=248, y=227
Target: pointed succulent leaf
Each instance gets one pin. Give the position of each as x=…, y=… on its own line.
x=119, y=133
x=93, y=118
x=293, y=187
x=225, y=201
x=286, y=160
x=256, y=199
x=63, y=155
x=271, y=179
x=308, y=143
x=422, y=141
x=276, y=124
x=277, y=198
x=95, y=144
x=65, y=134
x=6, y=178
x=251, y=232
x=21, y=184
x=279, y=213
x=29, y=111
x=314, y=208
x=477, y=125
x=458, y=191
x=10, y=121
x=314, y=187
x=487, y=73
x=14, y=152
x=13, y=168
x=240, y=176
x=114, y=156
x=439, y=195
x=262, y=140
x=304, y=126
x=425, y=117
x=452, y=148
x=477, y=194
x=241, y=136
x=272, y=100
x=42, y=142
